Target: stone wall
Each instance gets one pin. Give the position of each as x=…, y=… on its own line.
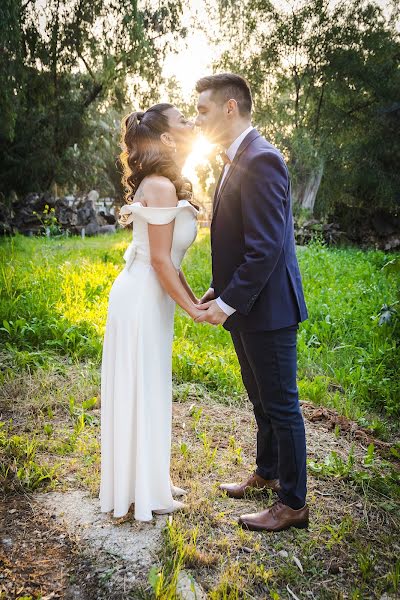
x=77, y=215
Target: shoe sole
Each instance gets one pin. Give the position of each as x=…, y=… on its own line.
x=251, y=527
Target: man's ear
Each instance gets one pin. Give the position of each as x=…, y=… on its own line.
x=231, y=106
x=168, y=140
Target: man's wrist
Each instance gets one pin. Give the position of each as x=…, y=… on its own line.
x=228, y=310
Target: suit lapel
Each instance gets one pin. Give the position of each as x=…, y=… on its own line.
x=216, y=192
x=252, y=135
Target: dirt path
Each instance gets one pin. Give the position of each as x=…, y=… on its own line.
x=58, y=545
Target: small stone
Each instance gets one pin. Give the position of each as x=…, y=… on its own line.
x=283, y=553
x=334, y=569
x=12, y=511
x=188, y=589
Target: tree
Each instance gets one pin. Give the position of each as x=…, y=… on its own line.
x=64, y=61
x=325, y=79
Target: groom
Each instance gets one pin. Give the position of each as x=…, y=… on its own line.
x=257, y=295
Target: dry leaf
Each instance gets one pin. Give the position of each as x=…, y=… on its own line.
x=298, y=563
x=291, y=593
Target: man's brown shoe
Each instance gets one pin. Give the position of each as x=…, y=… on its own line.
x=276, y=518
x=254, y=482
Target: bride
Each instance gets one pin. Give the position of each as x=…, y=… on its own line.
x=136, y=371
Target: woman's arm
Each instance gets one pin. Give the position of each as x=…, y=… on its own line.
x=160, y=192
x=187, y=287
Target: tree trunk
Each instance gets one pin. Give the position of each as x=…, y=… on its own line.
x=305, y=192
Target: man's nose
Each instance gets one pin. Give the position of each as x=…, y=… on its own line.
x=197, y=121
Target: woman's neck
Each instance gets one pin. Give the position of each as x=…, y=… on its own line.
x=180, y=159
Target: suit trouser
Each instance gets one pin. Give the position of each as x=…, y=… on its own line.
x=268, y=361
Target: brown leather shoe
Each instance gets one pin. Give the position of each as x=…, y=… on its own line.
x=276, y=518
x=254, y=482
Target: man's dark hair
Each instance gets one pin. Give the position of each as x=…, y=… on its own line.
x=226, y=86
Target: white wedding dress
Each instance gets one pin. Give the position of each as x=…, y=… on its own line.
x=136, y=371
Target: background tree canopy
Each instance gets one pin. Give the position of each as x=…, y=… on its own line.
x=65, y=70
x=326, y=81
x=325, y=78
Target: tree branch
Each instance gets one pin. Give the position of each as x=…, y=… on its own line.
x=321, y=97
x=96, y=91
x=86, y=65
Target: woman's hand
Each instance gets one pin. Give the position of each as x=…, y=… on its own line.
x=194, y=312
x=209, y=295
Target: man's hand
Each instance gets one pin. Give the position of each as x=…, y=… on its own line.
x=209, y=295
x=211, y=313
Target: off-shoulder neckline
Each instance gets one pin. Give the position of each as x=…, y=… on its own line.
x=164, y=207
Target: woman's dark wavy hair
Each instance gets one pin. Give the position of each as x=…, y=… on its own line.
x=144, y=154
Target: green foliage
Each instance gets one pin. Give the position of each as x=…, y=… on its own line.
x=345, y=290
x=19, y=468
x=325, y=79
x=65, y=65
x=10, y=64
x=48, y=220
x=334, y=465
x=163, y=580
x=394, y=577
x=338, y=533
x=54, y=295
x=384, y=480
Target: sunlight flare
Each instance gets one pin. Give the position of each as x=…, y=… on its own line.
x=202, y=148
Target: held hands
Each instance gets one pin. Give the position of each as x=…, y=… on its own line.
x=209, y=295
x=211, y=313
x=206, y=310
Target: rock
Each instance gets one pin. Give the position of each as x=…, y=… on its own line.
x=392, y=243
x=311, y=229
x=108, y=219
x=92, y=228
x=28, y=212
x=187, y=588
x=107, y=229
x=72, y=214
x=375, y=227
x=6, y=216
x=93, y=196
x=334, y=568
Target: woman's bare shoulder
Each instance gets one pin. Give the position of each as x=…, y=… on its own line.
x=156, y=190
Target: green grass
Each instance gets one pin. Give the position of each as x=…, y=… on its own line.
x=53, y=302
x=349, y=550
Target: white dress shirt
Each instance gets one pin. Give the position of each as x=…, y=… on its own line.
x=231, y=153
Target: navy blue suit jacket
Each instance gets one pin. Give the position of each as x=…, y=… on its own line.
x=254, y=263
